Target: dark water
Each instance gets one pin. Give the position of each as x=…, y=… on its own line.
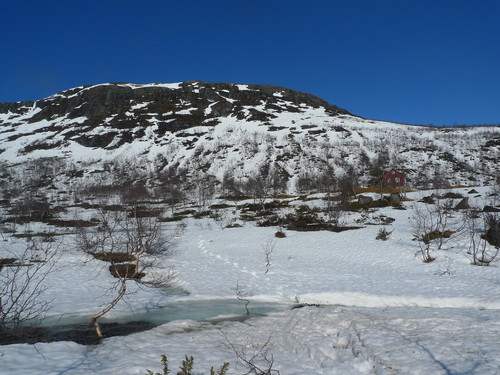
x=79, y=329
x=79, y=333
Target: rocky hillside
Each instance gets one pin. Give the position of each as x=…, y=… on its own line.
x=228, y=135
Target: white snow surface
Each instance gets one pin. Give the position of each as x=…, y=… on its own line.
x=382, y=310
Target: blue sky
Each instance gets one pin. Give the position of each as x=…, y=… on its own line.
x=419, y=62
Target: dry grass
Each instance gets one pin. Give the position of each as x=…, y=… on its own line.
x=437, y=234
x=114, y=257
x=125, y=270
x=282, y=196
x=376, y=189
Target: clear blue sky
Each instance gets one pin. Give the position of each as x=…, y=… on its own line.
x=411, y=61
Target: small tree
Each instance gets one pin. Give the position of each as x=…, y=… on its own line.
x=255, y=187
x=130, y=243
x=431, y=224
x=204, y=191
x=268, y=251
x=241, y=295
x=256, y=357
x=484, y=235
x=22, y=284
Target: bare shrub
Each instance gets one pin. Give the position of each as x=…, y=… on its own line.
x=22, y=284
x=268, y=248
x=383, y=234
x=121, y=236
x=483, y=231
x=242, y=294
x=255, y=356
x=431, y=224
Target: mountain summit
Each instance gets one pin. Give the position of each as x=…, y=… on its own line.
x=127, y=110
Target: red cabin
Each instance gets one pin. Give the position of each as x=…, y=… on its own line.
x=393, y=178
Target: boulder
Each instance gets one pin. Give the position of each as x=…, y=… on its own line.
x=365, y=201
x=463, y=204
x=395, y=199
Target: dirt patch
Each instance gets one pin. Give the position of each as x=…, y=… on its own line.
x=126, y=270
x=6, y=261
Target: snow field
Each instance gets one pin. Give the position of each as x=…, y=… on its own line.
x=383, y=310
x=329, y=340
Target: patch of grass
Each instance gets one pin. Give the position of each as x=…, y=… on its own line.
x=111, y=207
x=201, y=214
x=427, y=237
x=114, y=257
x=305, y=198
x=245, y=217
x=186, y=212
x=264, y=207
x=142, y=211
x=269, y=221
x=376, y=189
x=374, y=219
x=304, y=219
x=172, y=218
x=220, y=206
x=70, y=223
x=428, y=199
x=235, y=198
x=379, y=203
x=46, y=235
x=451, y=195
x=263, y=213
x=234, y=225
x=321, y=226
x=399, y=207
x=283, y=196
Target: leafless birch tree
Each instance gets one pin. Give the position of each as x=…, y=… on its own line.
x=131, y=244
x=483, y=233
x=23, y=277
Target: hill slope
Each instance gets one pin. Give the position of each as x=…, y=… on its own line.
x=196, y=131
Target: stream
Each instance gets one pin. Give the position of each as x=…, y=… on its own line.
x=77, y=328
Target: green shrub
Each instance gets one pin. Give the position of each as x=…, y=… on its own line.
x=186, y=367
x=383, y=234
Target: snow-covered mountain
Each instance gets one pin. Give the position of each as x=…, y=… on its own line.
x=221, y=131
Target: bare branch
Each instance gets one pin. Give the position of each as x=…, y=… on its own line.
x=132, y=244
x=268, y=251
x=241, y=295
x=255, y=356
x=22, y=283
